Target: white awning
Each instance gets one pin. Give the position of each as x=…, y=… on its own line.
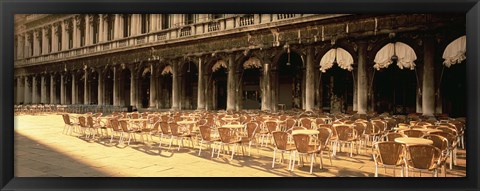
x=252, y=62
x=455, y=51
x=167, y=70
x=218, y=65
x=343, y=57
x=405, y=54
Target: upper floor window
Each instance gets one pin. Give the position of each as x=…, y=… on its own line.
x=110, y=27
x=145, y=23
x=126, y=25
x=189, y=19
x=216, y=16
x=165, y=21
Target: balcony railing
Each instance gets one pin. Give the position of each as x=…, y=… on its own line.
x=247, y=20
x=151, y=38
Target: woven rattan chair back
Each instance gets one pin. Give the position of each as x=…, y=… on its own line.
x=66, y=119
x=206, y=132
x=438, y=141
x=422, y=156
x=124, y=126
x=271, y=126
x=281, y=139
x=226, y=134
x=324, y=135
x=344, y=132
x=305, y=122
x=390, y=152
x=251, y=129
x=174, y=129
x=82, y=121
x=302, y=142
x=164, y=127
x=413, y=133
x=289, y=123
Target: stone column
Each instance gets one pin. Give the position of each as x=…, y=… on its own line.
x=74, y=90
x=138, y=91
x=62, y=89
x=18, y=97
x=26, y=91
x=362, y=81
x=238, y=90
x=44, y=40
x=175, y=88
x=34, y=90
x=117, y=28
x=86, y=89
x=231, y=83
x=88, y=26
x=153, y=88
x=116, y=99
x=428, y=84
x=310, y=80
x=65, y=29
x=101, y=31
x=200, y=89
x=35, y=40
x=55, y=37
x=52, y=89
x=20, y=46
x=101, y=85
x=266, y=89
x=133, y=88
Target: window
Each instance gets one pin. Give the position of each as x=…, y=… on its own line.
x=70, y=39
x=59, y=37
x=145, y=23
x=216, y=16
x=82, y=33
x=95, y=31
x=165, y=21
x=189, y=19
x=110, y=27
x=40, y=43
x=126, y=26
x=49, y=42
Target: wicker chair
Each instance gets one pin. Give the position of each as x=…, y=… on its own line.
x=126, y=130
x=442, y=144
x=94, y=127
x=228, y=137
x=422, y=158
x=69, y=125
x=452, y=147
x=116, y=129
x=178, y=135
x=388, y=154
x=82, y=121
x=305, y=122
x=251, y=129
x=281, y=144
x=392, y=136
x=206, y=138
x=360, y=128
x=302, y=144
x=324, y=136
x=346, y=134
x=164, y=131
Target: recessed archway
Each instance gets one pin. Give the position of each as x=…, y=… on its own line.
x=290, y=80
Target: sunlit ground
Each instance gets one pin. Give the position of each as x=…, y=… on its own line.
x=41, y=150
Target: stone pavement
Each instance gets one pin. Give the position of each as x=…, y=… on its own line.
x=41, y=150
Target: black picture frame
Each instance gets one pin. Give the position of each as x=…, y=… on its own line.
x=10, y=7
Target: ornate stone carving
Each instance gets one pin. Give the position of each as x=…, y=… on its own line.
x=78, y=20
x=56, y=27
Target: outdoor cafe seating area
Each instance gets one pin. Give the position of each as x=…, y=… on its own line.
x=407, y=143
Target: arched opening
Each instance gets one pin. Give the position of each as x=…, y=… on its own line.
x=290, y=80
x=395, y=91
x=250, y=84
x=454, y=90
x=395, y=87
x=124, y=87
x=164, y=98
x=81, y=88
x=144, y=91
x=189, y=86
x=108, y=87
x=219, y=85
x=337, y=86
x=57, y=90
x=93, y=89
x=68, y=88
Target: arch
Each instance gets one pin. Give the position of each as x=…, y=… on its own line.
x=108, y=85
x=124, y=86
x=338, y=56
x=289, y=79
x=249, y=89
x=164, y=86
x=93, y=89
x=188, y=80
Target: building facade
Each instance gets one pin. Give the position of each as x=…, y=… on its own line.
x=240, y=61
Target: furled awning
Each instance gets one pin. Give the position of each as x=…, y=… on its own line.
x=252, y=62
x=404, y=53
x=167, y=70
x=219, y=64
x=343, y=58
x=455, y=51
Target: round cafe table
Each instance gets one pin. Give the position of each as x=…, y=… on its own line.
x=428, y=130
x=305, y=132
x=233, y=126
x=230, y=118
x=413, y=141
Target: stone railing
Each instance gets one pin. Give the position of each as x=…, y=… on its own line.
x=247, y=20
x=285, y=16
x=213, y=26
x=186, y=31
